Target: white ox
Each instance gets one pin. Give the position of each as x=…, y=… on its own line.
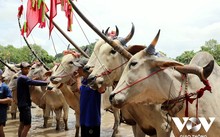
x=99, y=83
x=54, y=101
x=107, y=72
x=152, y=79
x=7, y=75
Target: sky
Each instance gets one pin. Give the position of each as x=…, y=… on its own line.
x=185, y=25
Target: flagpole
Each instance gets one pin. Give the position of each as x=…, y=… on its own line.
x=33, y=52
x=61, y=31
x=117, y=47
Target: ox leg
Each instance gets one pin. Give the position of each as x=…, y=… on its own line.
x=46, y=112
x=77, y=125
x=65, y=115
x=164, y=131
x=14, y=105
x=58, y=113
x=13, y=110
x=116, y=113
x=45, y=121
x=137, y=131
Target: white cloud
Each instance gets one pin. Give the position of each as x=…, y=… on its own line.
x=185, y=25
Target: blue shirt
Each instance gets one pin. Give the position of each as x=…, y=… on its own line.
x=90, y=103
x=23, y=93
x=5, y=92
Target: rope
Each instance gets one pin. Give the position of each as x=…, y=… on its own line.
x=135, y=82
x=82, y=29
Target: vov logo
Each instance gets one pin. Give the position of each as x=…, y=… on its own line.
x=193, y=124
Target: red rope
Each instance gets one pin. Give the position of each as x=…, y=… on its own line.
x=109, y=71
x=135, y=82
x=200, y=93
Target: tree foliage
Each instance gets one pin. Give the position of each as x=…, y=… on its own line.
x=213, y=48
x=11, y=54
x=210, y=46
x=186, y=57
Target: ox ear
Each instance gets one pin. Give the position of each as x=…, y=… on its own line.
x=48, y=73
x=164, y=63
x=133, y=49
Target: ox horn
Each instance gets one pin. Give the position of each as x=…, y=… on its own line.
x=105, y=32
x=129, y=36
x=117, y=31
x=202, y=73
x=151, y=48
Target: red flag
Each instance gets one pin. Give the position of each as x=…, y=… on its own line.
x=53, y=13
x=66, y=7
x=35, y=14
x=20, y=11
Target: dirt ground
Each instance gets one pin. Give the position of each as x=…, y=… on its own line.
x=37, y=129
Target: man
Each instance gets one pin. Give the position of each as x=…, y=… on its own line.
x=90, y=104
x=23, y=98
x=5, y=99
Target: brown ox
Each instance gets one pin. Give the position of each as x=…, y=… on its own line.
x=152, y=79
x=36, y=92
x=107, y=71
x=65, y=73
x=63, y=78
x=71, y=94
x=54, y=101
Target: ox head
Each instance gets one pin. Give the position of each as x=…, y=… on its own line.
x=37, y=71
x=92, y=60
x=13, y=81
x=8, y=73
x=66, y=69
x=107, y=58
x=100, y=43
x=150, y=78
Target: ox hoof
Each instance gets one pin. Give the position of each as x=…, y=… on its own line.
x=57, y=128
x=66, y=128
x=13, y=115
x=45, y=126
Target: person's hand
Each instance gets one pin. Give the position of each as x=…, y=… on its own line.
x=35, y=78
x=76, y=74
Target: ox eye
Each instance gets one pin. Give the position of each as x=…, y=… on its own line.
x=133, y=63
x=71, y=62
x=112, y=51
x=15, y=77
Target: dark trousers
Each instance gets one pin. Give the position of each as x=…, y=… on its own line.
x=93, y=131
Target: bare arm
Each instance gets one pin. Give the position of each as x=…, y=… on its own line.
x=6, y=101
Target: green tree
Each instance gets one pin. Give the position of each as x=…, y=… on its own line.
x=186, y=57
x=213, y=48
x=17, y=55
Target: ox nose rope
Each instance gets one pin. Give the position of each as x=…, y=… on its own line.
x=187, y=96
x=109, y=71
x=135, y=82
